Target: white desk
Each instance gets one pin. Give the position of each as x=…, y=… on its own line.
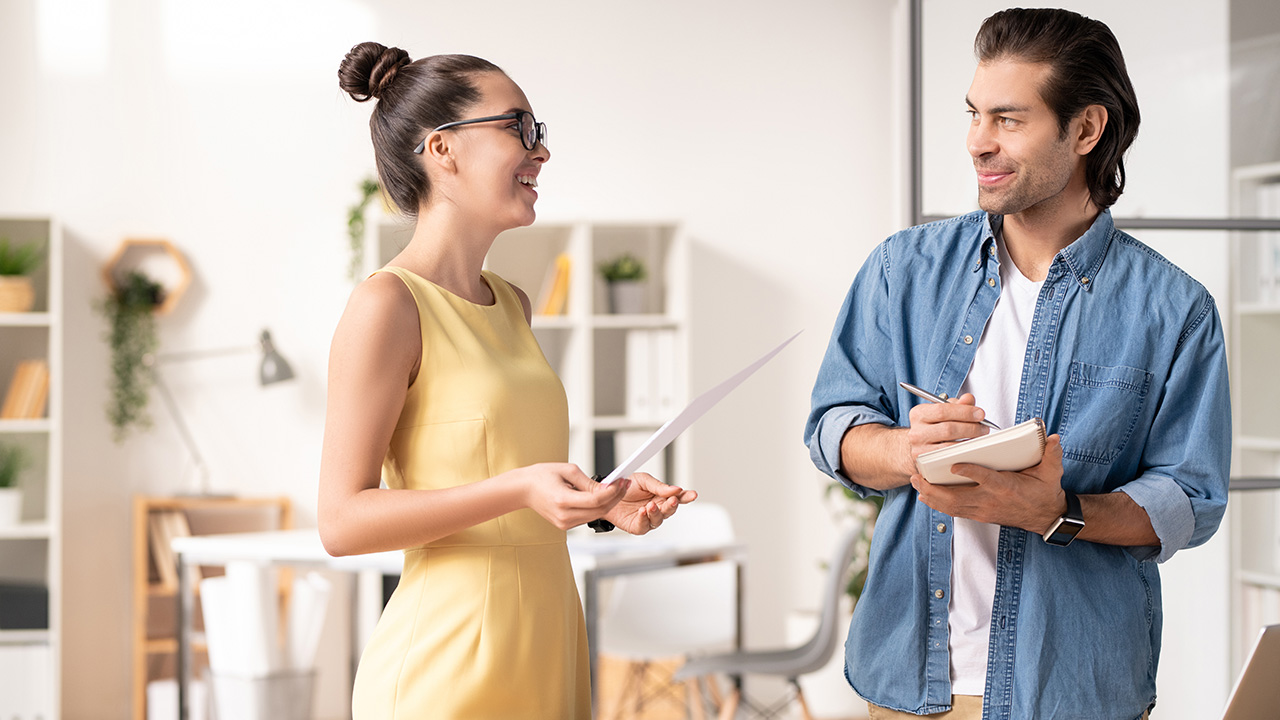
x=594, y=558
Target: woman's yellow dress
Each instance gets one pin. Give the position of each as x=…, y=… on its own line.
x=485, y=623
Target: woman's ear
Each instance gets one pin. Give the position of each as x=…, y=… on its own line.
x=1093, y=120
x=439, y=152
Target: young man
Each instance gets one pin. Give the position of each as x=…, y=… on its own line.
x=981, y=603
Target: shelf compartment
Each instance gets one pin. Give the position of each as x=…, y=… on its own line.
x=640, y=322
x=25, y=637
x=27, y=531
x=27, y=319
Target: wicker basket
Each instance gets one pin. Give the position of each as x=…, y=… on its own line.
x=16, y=293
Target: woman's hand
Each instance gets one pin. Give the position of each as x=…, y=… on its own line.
x=646, y=503
x=566, y=496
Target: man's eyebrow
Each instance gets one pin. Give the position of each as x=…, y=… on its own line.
x=998, y=110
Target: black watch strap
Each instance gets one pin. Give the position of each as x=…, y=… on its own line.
x=1065, y=528
x=600, y=524
x=1073, y=507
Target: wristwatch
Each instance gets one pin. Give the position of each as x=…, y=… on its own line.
x=600, y=524
x=1066, y=528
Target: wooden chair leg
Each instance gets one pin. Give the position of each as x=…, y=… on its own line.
x=694, y=690
x=713, y=689
x=622, y=704
x=730, y=706
x=804, y=706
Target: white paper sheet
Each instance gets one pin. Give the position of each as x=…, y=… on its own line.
x=681, y=422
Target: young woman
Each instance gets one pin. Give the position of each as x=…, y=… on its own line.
x=437, y=384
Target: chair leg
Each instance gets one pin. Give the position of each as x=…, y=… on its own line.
x=694, y=690
x=713, y=689
x=622, y=705
x=730, y=706
x=804, y=706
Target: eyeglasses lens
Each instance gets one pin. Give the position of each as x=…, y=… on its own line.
x=532, y=131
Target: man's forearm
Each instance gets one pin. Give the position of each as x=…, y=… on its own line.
x=876, y=456
x=1115, y=519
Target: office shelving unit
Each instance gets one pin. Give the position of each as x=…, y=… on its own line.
x=31, y=551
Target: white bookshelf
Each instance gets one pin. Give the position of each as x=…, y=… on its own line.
x=586, y=345
x=1254, y=349
x=31, y=551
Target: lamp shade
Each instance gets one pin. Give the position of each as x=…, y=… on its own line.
x=274, y=367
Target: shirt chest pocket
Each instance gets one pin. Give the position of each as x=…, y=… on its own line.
x=1102, y=406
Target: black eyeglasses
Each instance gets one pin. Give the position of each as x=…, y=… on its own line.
x=532, y=132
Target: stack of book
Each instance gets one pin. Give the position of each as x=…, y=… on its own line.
x=28, y=391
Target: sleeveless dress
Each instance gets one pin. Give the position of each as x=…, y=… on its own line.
x=485, y=623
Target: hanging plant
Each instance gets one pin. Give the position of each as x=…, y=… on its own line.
x=130, y=312
x=355, y=227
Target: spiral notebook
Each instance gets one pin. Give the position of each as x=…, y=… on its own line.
x=1014, y=448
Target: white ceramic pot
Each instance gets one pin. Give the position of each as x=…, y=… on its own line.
x=10, y=506
x=626, y=297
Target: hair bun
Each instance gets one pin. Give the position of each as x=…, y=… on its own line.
x=369, y=69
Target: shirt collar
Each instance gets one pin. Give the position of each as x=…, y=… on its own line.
x=1082, y=258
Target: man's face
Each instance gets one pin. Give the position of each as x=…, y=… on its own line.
x=1021, y=159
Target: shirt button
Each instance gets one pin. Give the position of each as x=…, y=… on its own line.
x=1084, y=281
x=992, y=282
x=942, y=527
x=939, y=594
x=968, y=339
x=991, y=250
x=942, y=395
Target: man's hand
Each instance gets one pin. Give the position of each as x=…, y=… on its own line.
x=934, y=426
x=1030, y=499
x=882, y=457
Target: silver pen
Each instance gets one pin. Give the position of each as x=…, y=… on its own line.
x=935, y=399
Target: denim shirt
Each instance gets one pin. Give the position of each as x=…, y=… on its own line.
x=1126, y=362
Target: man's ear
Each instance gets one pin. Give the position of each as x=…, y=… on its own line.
x=1093, y=120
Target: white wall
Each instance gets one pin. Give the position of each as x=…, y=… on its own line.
x=769, y=130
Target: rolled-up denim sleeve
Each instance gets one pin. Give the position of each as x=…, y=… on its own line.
x=856, y=369
x=1188, y=458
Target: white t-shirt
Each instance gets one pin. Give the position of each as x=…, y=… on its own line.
x=993, y=379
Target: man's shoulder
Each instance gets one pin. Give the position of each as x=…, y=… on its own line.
x=947, y=235
x=973, y=223
x=1155, y=268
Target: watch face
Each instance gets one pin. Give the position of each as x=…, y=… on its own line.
x=1063, y=531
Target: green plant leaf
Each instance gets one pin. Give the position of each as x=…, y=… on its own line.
x=20, y=260
x=13, y=460
x=623, y=267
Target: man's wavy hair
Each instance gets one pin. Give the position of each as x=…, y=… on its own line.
x=1087, y=69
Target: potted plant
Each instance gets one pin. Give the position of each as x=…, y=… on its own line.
x=130, y=311
x=16, y=266
x=13, y=460
x=624, y=275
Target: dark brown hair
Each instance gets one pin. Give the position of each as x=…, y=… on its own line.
x=1087, y=69
x=413, y=98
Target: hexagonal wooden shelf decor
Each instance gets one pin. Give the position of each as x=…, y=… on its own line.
x=159, y=259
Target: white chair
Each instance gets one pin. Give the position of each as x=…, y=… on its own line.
x=789, y=663
x=668, y=614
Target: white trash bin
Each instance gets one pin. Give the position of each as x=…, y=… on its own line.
x=280, y=696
